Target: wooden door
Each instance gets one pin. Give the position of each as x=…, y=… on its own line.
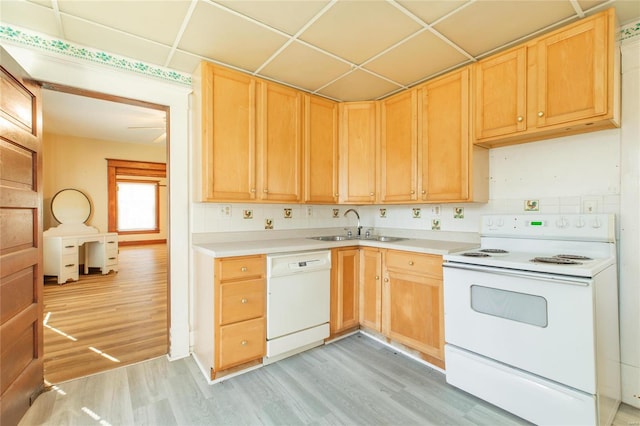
x=320, y=150
x=280, y=143
x=228, y=134
x=443, y=127
x=358, y=152
x=398, y=148
x=371, y=288
x=344, y=289
x=21, y=329
x=572, y=73
x=501, y=94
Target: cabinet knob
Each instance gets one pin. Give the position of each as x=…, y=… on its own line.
x=520, y=118
x=424, y=191
x=265, y=190
x=386, y=280
x=377, y=277
x=336, y=195
x=244, y=343
x=413, y=192
x=252, y=190
x=540, y=113
x=411, y=263
x=371, y=194
x=243, y=269
x=243, y=300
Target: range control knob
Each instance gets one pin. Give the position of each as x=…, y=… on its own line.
x=580, y=223
x=596, y=223
x=489, y=221
x=562, y=222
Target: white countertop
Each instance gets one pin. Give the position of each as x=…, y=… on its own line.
x=245, y=248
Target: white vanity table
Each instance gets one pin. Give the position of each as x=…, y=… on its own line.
x=72, y=243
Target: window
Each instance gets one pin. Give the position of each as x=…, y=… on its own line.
x=137, y=206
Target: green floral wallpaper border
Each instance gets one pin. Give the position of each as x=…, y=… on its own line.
x=69, y=49
x=630, y=31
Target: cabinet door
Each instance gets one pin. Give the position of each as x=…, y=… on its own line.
x=398, y=148
x=501, y=94
x=357, y=152
x=280, y=143
x=371, y=288
x=344, y=289
x=572, y=78
x=320, y=150
x=413, y=312
x=444, y=132
x=228, y=135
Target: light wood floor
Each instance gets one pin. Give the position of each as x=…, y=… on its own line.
x=106, y=321
x=354, y=381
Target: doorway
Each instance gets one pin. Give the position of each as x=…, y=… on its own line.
x=78, y=139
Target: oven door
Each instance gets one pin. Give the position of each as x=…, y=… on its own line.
x=539, y=323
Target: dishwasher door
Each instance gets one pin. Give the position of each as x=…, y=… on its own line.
x=298, y=298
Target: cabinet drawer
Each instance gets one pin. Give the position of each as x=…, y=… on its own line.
x=241, y=342
x=69, y=247
x=69, y=262
x=423, y=264
x=242, y=300
x=242, y=267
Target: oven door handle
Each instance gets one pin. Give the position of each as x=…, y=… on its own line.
x=562, y=279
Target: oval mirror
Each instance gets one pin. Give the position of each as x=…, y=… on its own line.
x=70, y=206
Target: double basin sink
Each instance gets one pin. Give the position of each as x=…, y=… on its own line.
x=356, y=237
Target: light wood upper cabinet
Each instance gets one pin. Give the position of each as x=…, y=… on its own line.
x=320, y=150
x=449, y=169
x=345, y=272
x=279, y=143
x=501, y=94
x=568, y=80
x=358, y=137
x=227, y=110
x=398, y=148
x=371, y=288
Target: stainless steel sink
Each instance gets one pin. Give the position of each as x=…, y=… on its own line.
x=381, y=238
x=332, y=238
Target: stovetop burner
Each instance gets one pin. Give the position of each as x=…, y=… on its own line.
x=572, y=257
x=556, y=260
x=475, y=254
x=494, y=251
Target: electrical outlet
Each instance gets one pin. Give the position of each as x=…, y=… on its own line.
x=590, y=205
x=435, y=210
x=309, y=211
x=225, y=210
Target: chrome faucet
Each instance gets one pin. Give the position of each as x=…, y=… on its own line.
x=358, y=216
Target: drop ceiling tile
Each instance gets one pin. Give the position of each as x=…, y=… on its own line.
x=184, y=61
x=156, y=20
x=112, y=41
x=225, y=37
x=287, y=16
x=357, y=30
x=304, y=67
x=485, y=25
x=627, y=11
x=29, y=16
x=358, y=86
x=416, y=59
x=430, y=11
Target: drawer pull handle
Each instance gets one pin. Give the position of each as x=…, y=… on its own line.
x=244, y=343
x=111, y=242
x=112, y=258
x=243, y=269
x=411, y=263
x=71, y=265
x=244, y=300
x=69, y=246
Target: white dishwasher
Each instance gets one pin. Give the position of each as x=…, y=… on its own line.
x=298, y=294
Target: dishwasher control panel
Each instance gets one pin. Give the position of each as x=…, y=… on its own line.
x=298, y=262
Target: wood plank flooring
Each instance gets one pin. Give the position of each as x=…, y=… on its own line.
x=106, y=321
x=354, y=381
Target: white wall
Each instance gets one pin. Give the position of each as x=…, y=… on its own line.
x=72, y=162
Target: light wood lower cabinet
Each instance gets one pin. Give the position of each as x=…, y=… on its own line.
x=412, y=302
x=371, y=288
x=345, y=273
x=239, y=313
